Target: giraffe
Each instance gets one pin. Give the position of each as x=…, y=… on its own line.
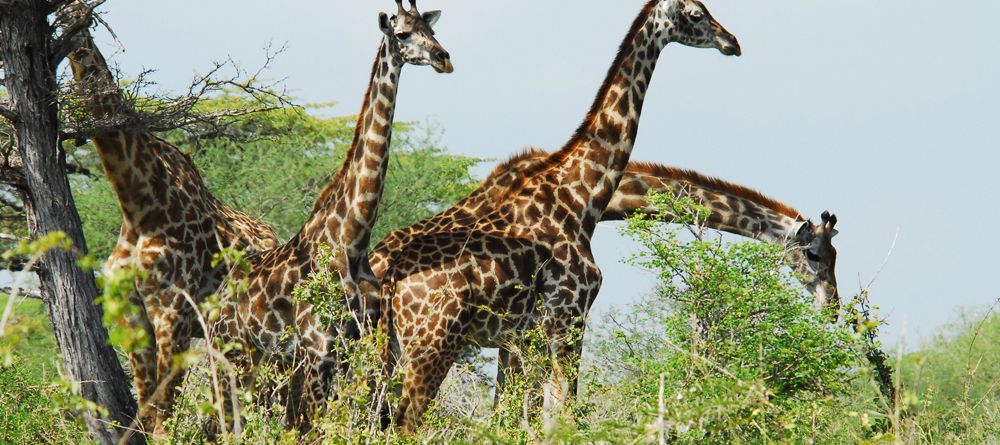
x=528, y=262
x=172, y=227
x=265, y=315
x=746, y=212
x=734, y=209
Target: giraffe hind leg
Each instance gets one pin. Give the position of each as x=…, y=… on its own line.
x=426, y=365
x=173, y=336
x=144, y=369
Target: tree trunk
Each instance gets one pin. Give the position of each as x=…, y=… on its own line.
x=68, y=291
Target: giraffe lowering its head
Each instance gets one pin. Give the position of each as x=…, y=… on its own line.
x=264, y=315
x=815, y=259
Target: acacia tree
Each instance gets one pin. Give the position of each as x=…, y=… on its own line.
x=32, y=44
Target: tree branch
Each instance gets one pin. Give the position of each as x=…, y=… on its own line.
x=33, y=294
x=72, y=20
x=7, y=112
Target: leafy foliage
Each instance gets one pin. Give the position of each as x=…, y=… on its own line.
x=273, y=165
x=729, y=348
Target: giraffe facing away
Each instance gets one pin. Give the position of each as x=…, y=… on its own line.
x=264, y=315
x=172, y=228
x=527, y=262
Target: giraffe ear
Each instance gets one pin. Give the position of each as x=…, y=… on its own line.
x=384, y=24
x=805, y=229
x=431, y=17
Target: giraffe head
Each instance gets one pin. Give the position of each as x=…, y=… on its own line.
x=815, y=258
x=410, y=34
x=688, y=22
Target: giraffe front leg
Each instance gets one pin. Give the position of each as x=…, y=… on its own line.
x=508, y=366
x=312, y=392
x=566, y=347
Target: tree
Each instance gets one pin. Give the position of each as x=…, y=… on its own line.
x=31, y=47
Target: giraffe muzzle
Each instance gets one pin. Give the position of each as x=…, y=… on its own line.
x=730, y=47
x=444, y=67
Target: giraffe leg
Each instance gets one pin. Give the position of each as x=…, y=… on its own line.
x=172, y=337
x=508, y=365
x=567, y=350
x=426, y=363
x=143, y=362
x=312, y=392
x=510, y=371
x=237, y=374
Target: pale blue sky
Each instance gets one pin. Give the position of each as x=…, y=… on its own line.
x=883, y=111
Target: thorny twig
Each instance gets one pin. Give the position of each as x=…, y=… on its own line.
x=863, y=324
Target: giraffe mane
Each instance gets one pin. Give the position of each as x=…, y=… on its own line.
x=527, y=153
x=721, y=185
x=623, y=50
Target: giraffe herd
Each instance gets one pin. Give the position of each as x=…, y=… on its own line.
x=513, y=255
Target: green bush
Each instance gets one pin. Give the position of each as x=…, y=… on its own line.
x=31, y=411
x=729, y=348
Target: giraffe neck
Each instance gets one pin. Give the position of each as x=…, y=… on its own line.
x=591, y=164
x=126, y=156
x=344, y=214
x=104, y=99
x=734, y=209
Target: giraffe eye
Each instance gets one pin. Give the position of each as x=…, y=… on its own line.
x=403, y=35
x=696, y=16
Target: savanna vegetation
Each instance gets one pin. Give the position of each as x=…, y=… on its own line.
x=728, y=349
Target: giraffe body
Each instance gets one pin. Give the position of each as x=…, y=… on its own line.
x=527, y=262
x=265, y=316
x=172, y=228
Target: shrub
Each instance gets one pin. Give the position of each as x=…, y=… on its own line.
x=729, y=348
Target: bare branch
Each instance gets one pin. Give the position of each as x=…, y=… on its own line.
x=33, y=294
x=7, y=111
x=158, y=112
x=71, y=20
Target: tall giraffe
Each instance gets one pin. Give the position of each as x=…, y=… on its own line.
x=172, y=228
x=265, y=315
x=528, y=262
x=734, y=209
